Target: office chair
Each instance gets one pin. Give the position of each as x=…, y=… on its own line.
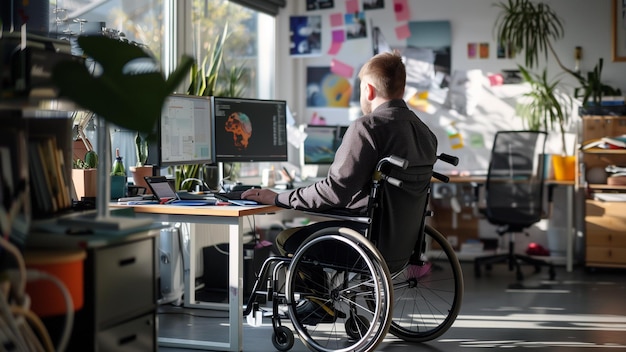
x=514, y=194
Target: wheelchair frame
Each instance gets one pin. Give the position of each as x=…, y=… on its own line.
x=416, y=304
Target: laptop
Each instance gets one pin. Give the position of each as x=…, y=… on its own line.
x=164, y=192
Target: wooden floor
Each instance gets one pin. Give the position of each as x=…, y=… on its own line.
x=579, y=311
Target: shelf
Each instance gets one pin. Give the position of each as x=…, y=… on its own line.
x=603, y=151
x=604, y=186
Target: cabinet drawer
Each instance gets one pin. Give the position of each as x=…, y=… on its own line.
x=605, y=225
x=606, y=239
x=602, y=209
x=135, y=335
x=606, y=255
x=124, y=280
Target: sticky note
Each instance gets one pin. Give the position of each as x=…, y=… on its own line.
x=334, y=48
x=336, y=20
x=340, y=68
x=352, y=6
x=401, y=9
x=339, y=36
x=403, y=31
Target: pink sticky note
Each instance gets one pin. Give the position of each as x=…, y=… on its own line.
x=401, y=8
x=352, y=6
x=341, y=69
x=403, y=31
x=334, y=48
x=339, y=36
x=336, y=20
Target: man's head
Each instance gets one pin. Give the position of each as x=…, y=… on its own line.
x=383, y=78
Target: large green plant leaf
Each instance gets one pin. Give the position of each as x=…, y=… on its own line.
x=113, y=91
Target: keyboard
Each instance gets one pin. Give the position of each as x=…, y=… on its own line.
x=184, y=195
x=232, y=195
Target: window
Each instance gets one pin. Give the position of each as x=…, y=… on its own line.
x=153, y=23
x=250, y=42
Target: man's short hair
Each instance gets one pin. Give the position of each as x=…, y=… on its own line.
x=387, y=73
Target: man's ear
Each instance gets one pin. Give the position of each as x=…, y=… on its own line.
x=370, y=92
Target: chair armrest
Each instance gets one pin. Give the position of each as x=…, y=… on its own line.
x=341, y=215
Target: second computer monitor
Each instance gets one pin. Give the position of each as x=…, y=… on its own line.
x=185, y=130
x=321, y=143
x=250, y=130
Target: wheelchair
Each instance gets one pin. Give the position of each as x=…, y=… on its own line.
x=362, y=283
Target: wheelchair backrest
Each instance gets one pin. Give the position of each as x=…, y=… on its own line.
x=398, y=219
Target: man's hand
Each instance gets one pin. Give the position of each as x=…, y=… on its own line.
x=263, y=196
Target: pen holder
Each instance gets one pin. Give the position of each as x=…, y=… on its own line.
x=118, y=187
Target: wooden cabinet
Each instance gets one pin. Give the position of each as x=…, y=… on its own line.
x=605, y=233
x=605, y=221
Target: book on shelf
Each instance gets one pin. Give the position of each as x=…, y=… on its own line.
x=617, y=142
x=42, y=192
x=51, y=188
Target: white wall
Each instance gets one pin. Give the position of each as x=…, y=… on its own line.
x=586, y=24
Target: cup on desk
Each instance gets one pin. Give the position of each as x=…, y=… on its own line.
x=268, y=178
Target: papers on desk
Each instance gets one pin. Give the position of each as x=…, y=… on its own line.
x=610, y=197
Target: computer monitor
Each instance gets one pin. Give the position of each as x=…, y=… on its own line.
x=321, y=143
x=185, y=131
x=250, y=130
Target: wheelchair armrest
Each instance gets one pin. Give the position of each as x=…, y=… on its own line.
x=341, y=215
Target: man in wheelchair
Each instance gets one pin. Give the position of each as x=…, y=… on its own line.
x=388, y=127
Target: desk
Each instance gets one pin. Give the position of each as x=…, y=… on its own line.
x=569, y=213
x=225, y=215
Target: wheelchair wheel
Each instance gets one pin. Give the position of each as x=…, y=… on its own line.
x=283, y=339
x=427, y=297
x=338, y=292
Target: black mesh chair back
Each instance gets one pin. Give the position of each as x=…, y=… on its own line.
x=514, y=194
x=515, y=179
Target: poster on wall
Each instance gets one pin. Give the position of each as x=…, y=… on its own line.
x=305, y=34
x=327, y=89
x=373, y=4
x=319, y=4
x=435, y=37
x=356, y=26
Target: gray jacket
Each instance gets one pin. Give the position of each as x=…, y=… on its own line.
x=391, y=129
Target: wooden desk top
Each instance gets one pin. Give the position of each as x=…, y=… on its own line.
x=222, y=210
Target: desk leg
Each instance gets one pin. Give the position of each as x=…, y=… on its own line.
x=571, y=227
x=235, y=285
x=189, y=275
x=235, y=294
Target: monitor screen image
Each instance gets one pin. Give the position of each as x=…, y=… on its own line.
x=186, y=130
x=321, y=143
x=250, y=130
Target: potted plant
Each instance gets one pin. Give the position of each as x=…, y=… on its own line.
x=530, y=28
x=84, y=175
x=130, y=99
x=142, y=169
x=591, y=92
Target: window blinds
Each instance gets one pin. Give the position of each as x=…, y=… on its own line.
x=269, y=7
